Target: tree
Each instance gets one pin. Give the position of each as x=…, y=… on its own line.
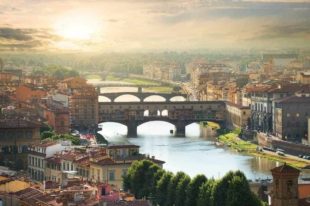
x=205, y=195
x=193, y=189
x=220, y=189
x=100, y=139
x=162, y=188
x=181, y=190
x=172, y=188
x=141, y=178
x=239, y=193
x=234, y=190
x=47, y=134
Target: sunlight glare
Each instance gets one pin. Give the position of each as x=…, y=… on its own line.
x=78, y=25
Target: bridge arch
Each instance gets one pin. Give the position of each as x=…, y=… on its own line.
x=164, y=113
x=104, y=99
x=177, y=98
x=113, y=128
x=154, y=97
x=125, y=97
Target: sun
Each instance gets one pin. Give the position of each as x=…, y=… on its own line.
x=78, y=25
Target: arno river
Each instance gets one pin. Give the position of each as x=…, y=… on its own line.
x=194, y=154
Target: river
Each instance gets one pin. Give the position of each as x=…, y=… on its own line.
x=194, y=154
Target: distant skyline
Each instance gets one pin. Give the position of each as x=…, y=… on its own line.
x=146, y=25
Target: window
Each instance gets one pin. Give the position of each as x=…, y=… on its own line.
x=111, y=175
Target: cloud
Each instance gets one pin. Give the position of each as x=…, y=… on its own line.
x=25, y=38
x=16, y=34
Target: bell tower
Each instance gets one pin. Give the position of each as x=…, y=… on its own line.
x=285, y=186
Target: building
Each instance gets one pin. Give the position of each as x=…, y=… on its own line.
x=27, y=93
x=291, y=117
x=201, y=72
x=37, y=155
x=57, y=116
x=162, y=71
x=16, y=135
x=75, y=161
x=286, y=189
x=303, y=77
x=82, y=102
x=122, y=151
x=262, y=102
x=83, y=106
x=237, y=116
x=285, y=186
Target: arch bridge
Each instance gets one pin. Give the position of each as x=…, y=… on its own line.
x=142, y=95
x=180, y=114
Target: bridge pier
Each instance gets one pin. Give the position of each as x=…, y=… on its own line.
x=180, y=130
x=131, y=129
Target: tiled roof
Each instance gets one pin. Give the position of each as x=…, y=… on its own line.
x=285, y=169
x=45, y=144
x=294, y=99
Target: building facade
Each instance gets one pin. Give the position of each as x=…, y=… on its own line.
x=37, y=155
x=285, y=186
x=16, y=135
x=237, y=116
x=291, y=118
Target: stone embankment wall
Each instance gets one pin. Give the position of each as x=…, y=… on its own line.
x=289, y=147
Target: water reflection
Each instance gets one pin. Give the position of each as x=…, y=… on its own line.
x=193, y=154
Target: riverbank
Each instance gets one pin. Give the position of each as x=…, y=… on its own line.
x=233, y=141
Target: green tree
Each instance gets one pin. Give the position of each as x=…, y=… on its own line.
x=141, y=178
x=162, y=188
x=193, y=189
x=220, y=189
x=181, y=190
x=100, y=139
x=239, y=193
x=232, y=190
x=172, y=188
x=205, y=195
x=47, y=134
x=73, y=139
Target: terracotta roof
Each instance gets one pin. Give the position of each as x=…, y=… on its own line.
x=44, y=144
x=107, y=161
x=123, y=146
x=285, y=169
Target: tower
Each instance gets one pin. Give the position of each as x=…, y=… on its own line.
x=285, y=186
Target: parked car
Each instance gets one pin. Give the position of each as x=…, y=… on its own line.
x=306, y=157
x=280, y=153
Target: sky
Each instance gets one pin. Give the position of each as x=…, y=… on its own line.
x=153, y=25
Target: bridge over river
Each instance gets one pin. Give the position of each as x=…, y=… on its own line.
x=180, y=114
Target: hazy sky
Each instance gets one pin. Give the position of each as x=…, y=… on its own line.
x=139, y=25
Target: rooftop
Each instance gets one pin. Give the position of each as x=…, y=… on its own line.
x=294, y=99
x=285, y=169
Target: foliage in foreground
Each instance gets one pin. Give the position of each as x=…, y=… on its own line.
x=147, y=180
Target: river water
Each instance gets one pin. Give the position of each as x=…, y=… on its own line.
x=194, y=154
